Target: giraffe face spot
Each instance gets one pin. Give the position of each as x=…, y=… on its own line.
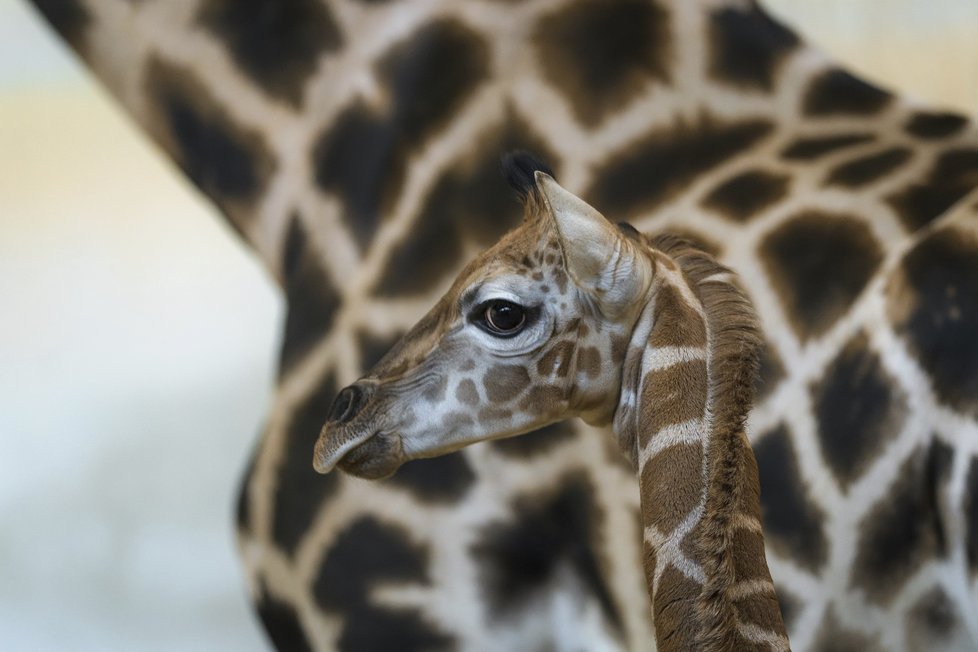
x=556, y=362
x=490, y=415
x=467, y=392
x=548, y=400
x=457, y=420
x=505, y=382
x=931, y=302
x=435, y=391
x=589, y=362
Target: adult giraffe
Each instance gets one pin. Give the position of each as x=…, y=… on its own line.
x=354, y=145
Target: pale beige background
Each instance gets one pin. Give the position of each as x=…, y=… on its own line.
x=137, y=337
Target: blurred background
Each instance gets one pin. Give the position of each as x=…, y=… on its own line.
x=137, y=341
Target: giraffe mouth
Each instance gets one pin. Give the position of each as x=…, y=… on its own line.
x=363, y=452
x=377, y=457
x=334, y=442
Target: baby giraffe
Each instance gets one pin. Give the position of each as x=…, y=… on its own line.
x=569, y=315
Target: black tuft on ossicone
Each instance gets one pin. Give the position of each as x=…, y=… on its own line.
x=519, y=167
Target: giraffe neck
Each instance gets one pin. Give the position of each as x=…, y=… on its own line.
x=691, y=388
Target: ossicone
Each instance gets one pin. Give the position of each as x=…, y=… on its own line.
x=520, y=168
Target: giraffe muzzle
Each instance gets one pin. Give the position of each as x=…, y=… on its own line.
x=353, y=423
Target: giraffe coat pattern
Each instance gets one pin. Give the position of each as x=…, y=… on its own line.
x=354, y=146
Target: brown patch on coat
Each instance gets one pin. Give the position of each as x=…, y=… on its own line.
x=557, y=360
x=455, y=420
x=672, y=395
x=673, y=611
x=589, y=361
x=748, y=551
x=544, y=399
x=491, y=414
x=504, y=382
x=467, y=392
x=671, y=485
x=435, y=392
x=761, y=610
x=676, y=323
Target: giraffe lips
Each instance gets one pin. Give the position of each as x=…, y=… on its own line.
x=334, y=443
x=364, y=452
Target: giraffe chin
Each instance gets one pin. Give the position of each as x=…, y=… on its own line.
x=376, y=458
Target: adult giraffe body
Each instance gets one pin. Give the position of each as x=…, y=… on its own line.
x=355, y=146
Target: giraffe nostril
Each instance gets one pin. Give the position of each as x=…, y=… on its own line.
x=347, y=404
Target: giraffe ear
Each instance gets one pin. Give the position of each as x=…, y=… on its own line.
x=598, y=258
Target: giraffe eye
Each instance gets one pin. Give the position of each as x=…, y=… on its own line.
x=504, y=318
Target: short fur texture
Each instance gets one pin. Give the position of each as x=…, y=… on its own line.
x=733, y=484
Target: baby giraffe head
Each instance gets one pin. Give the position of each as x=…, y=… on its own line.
x=533, y=331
